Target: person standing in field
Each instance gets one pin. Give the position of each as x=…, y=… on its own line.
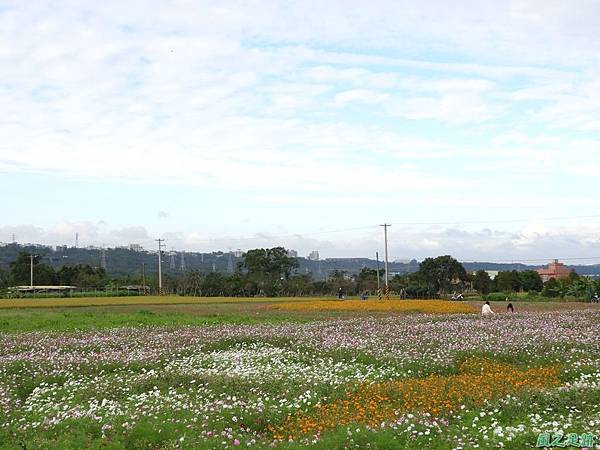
x=510, y=308
x=486, y=310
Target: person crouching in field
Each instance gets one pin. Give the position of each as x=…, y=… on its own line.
x=486, y=310
x=510, y=308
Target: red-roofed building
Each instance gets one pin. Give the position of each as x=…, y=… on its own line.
x=554, y=270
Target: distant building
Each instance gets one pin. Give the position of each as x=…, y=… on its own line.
x=402, y=261
x=238, y=253
x=292, y=253
x=61, y=248
x=554, y=270
x=491, y=273
x=136, y=248
x=314, y=255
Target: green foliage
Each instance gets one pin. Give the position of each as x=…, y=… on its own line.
x=270, y=262
x=496, y=296
x=440, y=273
x=20, y=271
x=80, y=275
x=508, y=281
x=270, y=273
x=551, y=289
x=531, y=280
x=482, y=282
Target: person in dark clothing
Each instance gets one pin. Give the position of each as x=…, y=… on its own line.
x=510, y=308
x=340, y=295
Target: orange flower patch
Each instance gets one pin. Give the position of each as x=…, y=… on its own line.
x=422, y=306
x=478, y=380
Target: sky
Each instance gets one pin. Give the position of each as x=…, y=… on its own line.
x=472, y=127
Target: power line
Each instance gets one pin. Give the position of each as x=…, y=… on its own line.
x=518, y=260
x=373, y=226
x=483, y=222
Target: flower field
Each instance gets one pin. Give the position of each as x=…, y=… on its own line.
x=415, y=381
x=422, y=306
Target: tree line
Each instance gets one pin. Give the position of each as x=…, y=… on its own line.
x=270, y=273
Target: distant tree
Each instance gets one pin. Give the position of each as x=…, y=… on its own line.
x=271, y=262
x=338, y=275
x=43, y=274
x=482, y=282
x=441, y=273
x=508, y=281
x=531, y=281
x=190, y=283
x=4, y=278
x=573, y=277
x=298, y=285
x=580, y=287
x=81, y=275
x=552, y=288
x=367, y=280
x=213, y=285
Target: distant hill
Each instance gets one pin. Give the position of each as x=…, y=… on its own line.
x=125, y=261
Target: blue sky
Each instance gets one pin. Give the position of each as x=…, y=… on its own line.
x=240, y=124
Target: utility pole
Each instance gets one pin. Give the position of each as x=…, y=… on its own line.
x=31, y=271
x=144, y=277
x=387, y=288
x=378, y=287
x=160, y=241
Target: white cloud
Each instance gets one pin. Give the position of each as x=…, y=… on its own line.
x=309, y=103
x=536, y=239
x=359, y=95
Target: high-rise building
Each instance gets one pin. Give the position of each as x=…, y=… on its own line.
x=292, y=253
x=314, y=255
x=136, y=248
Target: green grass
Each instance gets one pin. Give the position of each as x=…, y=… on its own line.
x=61, y=302
x=13, y=321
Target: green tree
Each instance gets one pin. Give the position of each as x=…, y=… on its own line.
x=441, y=273
x=81, y=275
x=508, y=281
x=367, y=280
x=531, y=281
x=4, y=278
x=271, y=262
x=43, y=274
x=482, y=282
x=551, y=289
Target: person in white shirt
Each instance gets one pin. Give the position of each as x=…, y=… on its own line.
x=486, y=310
